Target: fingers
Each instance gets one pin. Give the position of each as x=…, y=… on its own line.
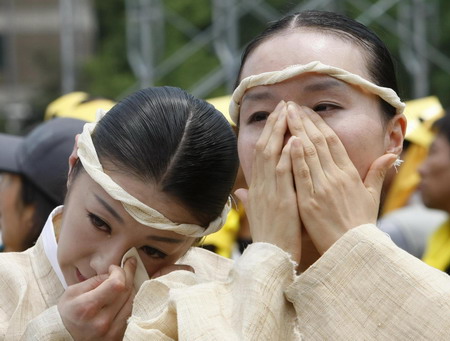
x=377, y=172
x=285, y=181
x=115, y=290
x=312, y=142
x=335, y=150
x=268, y=147
x=87, y=285
x=271, y=120
x=174, y=267
x=300, y=169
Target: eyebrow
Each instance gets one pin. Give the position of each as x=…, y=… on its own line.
x=320, y=85
x=165, y=239
x=109, y=209
x=323, y=85
x=257, y=96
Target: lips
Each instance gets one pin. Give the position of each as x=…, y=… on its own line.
x=80, y=277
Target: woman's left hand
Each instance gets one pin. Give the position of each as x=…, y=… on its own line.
x=331, y=196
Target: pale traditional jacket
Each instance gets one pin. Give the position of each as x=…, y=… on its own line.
x=363, y=288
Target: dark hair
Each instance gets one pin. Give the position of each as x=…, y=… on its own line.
x=182, y=144
x=442, y=125
x=380, y=63
x=43, y=205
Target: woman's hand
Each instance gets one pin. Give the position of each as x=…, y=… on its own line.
x=98, y=308
x=331, y=196
x=270, y=200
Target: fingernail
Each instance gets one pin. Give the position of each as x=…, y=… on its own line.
x=280, y=105
x=291, y=109
x=133, y=261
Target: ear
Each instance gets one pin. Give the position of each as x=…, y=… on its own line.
x=73, y=158
x=395, y=134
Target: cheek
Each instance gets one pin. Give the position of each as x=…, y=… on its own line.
x=246, y=147
x=73, y=240
x=363, y=142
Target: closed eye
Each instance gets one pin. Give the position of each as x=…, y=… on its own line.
x=153, y=253
x=325, y=107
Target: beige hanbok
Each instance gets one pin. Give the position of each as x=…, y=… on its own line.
x=363, y=288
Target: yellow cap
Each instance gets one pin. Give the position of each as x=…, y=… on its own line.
x=77, y=105
x=222, y=104
x=421, y=113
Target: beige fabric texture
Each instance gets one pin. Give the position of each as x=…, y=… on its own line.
x=138, y=210
x=273, y=77
x=362, y=288
x=30, y=291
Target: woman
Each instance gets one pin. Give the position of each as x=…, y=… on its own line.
x=319, y=125
x=33, y=177
x=153, y=175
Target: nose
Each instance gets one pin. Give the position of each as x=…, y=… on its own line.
x=107, y=254
x=422, y=168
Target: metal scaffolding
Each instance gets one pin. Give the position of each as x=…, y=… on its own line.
x=406, y=19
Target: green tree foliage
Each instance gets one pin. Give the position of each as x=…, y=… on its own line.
x=109, y=74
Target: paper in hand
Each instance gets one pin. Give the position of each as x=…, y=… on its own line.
x=141, y=273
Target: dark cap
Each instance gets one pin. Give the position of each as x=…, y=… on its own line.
x=42, y=155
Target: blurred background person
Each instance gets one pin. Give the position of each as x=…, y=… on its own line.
x=435, y=190
x=33, y=169
x=403, y=215
x=33, y=176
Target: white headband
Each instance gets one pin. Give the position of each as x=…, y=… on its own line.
x=138, y=210
x=268, y=78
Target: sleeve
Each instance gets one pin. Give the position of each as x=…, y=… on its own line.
x=248, y=305
x=47, y=326
x=364, y=287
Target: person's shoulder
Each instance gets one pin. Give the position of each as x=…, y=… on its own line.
x=207, y=265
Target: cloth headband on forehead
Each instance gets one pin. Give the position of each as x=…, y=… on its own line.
x=138, y=210
x=272, y=77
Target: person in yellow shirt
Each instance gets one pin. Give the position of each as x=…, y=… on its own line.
x=435, y=190
x=403, y=216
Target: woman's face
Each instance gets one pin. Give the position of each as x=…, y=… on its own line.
x=354, y=114
x=435, y=175
x=96, y=230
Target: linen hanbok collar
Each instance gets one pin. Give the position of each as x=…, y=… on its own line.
x=51, y=246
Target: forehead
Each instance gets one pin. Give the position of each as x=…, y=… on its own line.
x=307, y=83
x=302, y=46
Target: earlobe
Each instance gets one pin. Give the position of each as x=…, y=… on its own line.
x=395, y=134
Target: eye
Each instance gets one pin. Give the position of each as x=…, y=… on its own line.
x=98, y=223
x=153, y=253
x=325, y=107
x=258, y=116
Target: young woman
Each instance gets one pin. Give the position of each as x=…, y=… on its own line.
x=319, y=125
x=153, y=175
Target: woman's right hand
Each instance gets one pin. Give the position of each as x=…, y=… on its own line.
x=270, y=200
x=98, y=308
